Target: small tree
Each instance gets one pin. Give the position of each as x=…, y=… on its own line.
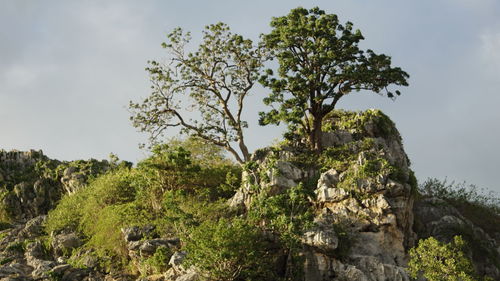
x=437, y=261
x=319, y=63
x=216, y=78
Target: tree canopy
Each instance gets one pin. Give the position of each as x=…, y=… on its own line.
x=216, y=79
x=319, y=63
x=438, y=261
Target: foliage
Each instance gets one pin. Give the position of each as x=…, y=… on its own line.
x=229, y=250
x=438, y=261
x=158, y=262
x=287, y=216
x=319, y=62
x=19, y=247
x=169, y=191
x=217, y=78
x=477, y=205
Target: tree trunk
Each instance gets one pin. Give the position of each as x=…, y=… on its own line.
x=244, y=150
x=316, y=134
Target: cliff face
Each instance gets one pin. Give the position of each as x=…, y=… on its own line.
x=367, y=211
x=31, y=184
x=364, y=198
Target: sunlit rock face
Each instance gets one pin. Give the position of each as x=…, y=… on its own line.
x=31, y=183
x=364, y=197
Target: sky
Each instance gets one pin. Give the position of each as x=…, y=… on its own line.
x=68, y=70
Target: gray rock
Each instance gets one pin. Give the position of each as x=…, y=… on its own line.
x=177, y=258
x=327, y=190
x=33, y=227
x=64, y=243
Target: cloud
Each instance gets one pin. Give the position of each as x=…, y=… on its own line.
x=490, y=47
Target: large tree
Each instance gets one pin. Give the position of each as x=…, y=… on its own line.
x=202, y=92
x=319, y=63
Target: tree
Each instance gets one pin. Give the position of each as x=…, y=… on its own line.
x=438, y=261
x=319, y=63
x=216, y=78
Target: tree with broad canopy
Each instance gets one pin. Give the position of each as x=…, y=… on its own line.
x=319, y=63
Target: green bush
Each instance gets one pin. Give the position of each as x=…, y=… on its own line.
x=438, y=261
x=158, y=262
x=169, y=190
x=286, y=216
x=228, y=250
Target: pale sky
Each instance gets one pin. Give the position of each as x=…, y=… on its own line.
x=69, y=68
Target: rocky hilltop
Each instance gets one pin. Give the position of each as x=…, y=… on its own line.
x=366, y=213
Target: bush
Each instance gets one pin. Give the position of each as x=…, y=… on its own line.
x=477, y=205
x=229, y=250
x=286, y=216
x=169, y=190
x=437, y=261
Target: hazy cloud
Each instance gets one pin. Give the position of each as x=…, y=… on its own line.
x=69, y=68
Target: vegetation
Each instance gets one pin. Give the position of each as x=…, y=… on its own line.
x=437, y=261
x=319, y=63
x=169, y=191
x=287, y=216
x=182, y=189
x=217, y=78
x=230, y=250
x=477, y=205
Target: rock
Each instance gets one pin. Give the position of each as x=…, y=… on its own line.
x=435, y=217
x=148, y=247
x=327, y=190
x=33, y=227
x=64, y=243
x=283, y=176
x=135, y=233
x=132, y=233
x=72, y=180
x=322, y=236
x=60, y=269
x=336, y=138
x=176, y=259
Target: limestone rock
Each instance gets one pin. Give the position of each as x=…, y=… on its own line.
x=64, y=243
x=327, y=190
x=322, y=236
x=33, y=227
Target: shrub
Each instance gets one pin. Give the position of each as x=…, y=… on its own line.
x=158, y=262
x=286, y=216
x=437, y=261
x=227, y=250
x=477, y=205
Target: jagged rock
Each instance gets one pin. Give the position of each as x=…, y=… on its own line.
x=322, y=236
x=176, y=259
x=72, y=180
x=64, y=243
x=368, y=196
x=132, y=233
x=327, y=190
x=435, y=217
x=33, y=227
x=183, y=275
x=35, y=257
x=60, y=269
x=336, y=138
x=148, y=247
x=135, y=233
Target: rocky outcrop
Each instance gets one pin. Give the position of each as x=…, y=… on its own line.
x=364, y=189
x=32, y=183
x=441, y=220
x=366, y=212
